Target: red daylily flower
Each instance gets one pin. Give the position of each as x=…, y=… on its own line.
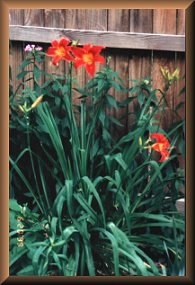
x=165, y=154
x=161, y=145
x=88, y=56
x=60, y=50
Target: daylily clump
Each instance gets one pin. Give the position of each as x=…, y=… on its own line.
x=86, y=56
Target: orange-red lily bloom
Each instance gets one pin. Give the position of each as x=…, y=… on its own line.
x=88, y=56
x=60, y=50
x=161, y=145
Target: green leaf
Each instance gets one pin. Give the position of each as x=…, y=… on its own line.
x=102, y=116
x=14, y=206
x=37, y=73
x=93, y=190
x=111, y=101
x=81, y=200
x=141, y=98
x=117, y=86
x=115, y=121
x=22, y=74
x=36, y=259
x=25, y=63
x=26, y=271
x=17, y=255
x=118, y=157
x=115, y=248
x=101, y=84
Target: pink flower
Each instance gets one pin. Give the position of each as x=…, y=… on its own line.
x=30, y=48
x=38, y=48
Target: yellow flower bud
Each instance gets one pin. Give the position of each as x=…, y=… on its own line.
x=175, y=74
x=164, y=72
x=75, y=42
x=140, y=141
x=21, y=108
x=39, y=99
x=170, y=76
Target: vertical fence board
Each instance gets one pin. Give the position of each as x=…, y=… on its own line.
x=118, y=20
x=16, y=49
x=85, y=19
x=180, y=62
x=164, y=21
x=141, y=20
x=54, y=18
x=139, y=62
x=181, y=22
x=74, y=20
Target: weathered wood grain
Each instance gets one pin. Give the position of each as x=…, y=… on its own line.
x=84, y=19
x=180, y=63
x=54, y=18
x=179, y=100
x=126, y=40
x=141, y=20
x=139, y=61
x=164, y=21
x=118, y=20
x=16, y=49
x=180, y=22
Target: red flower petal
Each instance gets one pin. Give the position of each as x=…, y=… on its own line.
x=64, y=42
x=100, y=59
x=51, y=51
x=78, y=62
x=160, y=138
x=88, y=56
x=90, y=68
x=96, y=49
x=56, y=59
x=158, y=146
x=54, y=43
x=78, y=52
x=164, y=155
x=87, y=47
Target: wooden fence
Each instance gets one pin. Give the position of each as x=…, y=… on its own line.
x=139, y=42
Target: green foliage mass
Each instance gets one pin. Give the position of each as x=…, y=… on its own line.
x=92, y=199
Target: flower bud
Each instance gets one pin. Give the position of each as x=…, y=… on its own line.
x=21, y=108
x=140, y=141
x=39, y=99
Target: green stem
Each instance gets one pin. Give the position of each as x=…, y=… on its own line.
x=32, y=163
x=34, y=82
x=70, y=83
x=93, y=137
x=83, y=138
x=74, y=138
